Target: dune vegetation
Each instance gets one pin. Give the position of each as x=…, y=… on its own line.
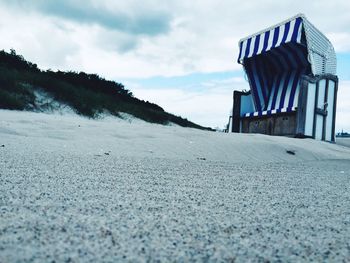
x=87, y=94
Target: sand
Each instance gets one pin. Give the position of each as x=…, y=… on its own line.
x=80, y=190
x=343, y=141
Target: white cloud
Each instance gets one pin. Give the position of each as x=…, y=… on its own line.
x=38, y=39
x=152, y=38
x=341, y=41
x=208, y=103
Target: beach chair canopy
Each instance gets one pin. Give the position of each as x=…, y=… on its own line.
x=275, y=59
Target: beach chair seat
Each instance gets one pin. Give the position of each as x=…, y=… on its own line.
x=268, y=112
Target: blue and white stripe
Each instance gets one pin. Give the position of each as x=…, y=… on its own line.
x=274, y=78
x=285, y=91
x=256, y=72
x=269, y=112
x=291, y=31
x=283, y=96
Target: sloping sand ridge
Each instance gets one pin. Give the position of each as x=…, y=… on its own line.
x=109, y=190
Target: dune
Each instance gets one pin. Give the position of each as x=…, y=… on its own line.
x=123, y=189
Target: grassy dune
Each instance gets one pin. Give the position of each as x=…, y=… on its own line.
x=87, y=94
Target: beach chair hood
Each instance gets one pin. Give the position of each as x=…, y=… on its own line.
x=275, y=59
x=297, y=29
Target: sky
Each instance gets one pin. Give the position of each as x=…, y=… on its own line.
x=179, y=54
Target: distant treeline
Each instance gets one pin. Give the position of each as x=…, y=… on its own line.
x=88, y=94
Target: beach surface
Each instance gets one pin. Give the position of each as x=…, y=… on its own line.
x=79, y=190
x=343, y=141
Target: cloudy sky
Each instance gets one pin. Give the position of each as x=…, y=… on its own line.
x=180, y=54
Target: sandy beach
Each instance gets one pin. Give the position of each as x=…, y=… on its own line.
x=80, y=190
x=343, y=141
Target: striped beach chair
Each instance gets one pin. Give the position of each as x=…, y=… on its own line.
x=291, y=70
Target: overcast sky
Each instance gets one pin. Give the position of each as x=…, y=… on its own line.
x=180, y=54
